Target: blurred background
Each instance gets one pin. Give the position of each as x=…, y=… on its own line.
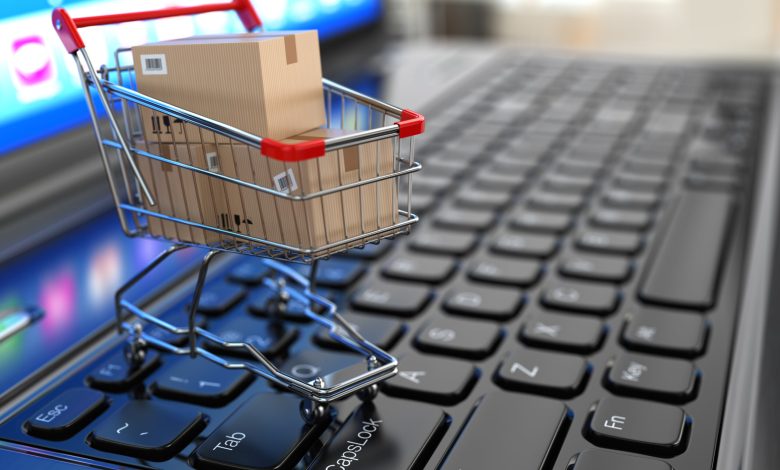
x=36, y=77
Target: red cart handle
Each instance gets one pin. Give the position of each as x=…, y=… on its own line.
x=67, y=27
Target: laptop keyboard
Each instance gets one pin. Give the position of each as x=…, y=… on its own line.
x=568, y=301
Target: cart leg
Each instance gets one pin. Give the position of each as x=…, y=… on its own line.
x=369, y=393
x=204, y=268
x=313, y=411
x=135, y=279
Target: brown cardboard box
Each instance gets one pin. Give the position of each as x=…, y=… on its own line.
x=341, y=215
x=267, y=84
x=304, y=224
x=181, y=193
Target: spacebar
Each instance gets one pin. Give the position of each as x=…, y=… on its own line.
x=685, y=263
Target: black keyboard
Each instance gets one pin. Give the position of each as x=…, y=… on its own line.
x=568, y=301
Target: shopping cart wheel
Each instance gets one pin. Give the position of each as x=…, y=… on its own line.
x=313, y=411
x=135, y=348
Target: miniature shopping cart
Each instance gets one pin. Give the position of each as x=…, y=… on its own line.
x=368, y=120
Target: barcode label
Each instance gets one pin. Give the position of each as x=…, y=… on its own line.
x=285, y=182
x=153, y=64
x=212, y=162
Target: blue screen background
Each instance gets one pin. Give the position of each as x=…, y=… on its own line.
x=40, y=94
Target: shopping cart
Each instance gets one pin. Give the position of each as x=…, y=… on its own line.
x=370, y=120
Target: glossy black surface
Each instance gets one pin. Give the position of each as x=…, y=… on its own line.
x=616, y=154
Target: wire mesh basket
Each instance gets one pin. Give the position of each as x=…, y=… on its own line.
x=276, y=200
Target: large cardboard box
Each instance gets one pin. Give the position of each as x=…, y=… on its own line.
x=305, y=224
x=341, y=215
x=267, y=84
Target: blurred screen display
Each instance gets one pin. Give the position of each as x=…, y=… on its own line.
x=40, y=93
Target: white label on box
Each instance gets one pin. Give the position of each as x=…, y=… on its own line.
x=154, y=64
x=213, y=162
x=285, y=181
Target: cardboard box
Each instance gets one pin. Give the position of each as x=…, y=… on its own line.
x=267, y=84
x=304, y=224
x=344, y=214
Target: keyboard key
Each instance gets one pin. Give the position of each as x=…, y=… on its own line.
x=428, y=184
x=496, y=303
x=378, y=436
x=596, y=268
x=444, y=242
x=371, y=250
x=66, y=414
x=116, y=374
x=542, y=221
x=420, y=268
x=665, y=332
x=249, y=272
x=392, y=297
x=464, y=219
x=561, y=331
x=200, y=381
x=489, y=439
x=263, y=303
x=421, y=203
x=641, y=182
x=433, y=379
x=311, y=363
x=147, y=429
x=582, y=168
x=581, y=297
x=620, y=219
x=482, y=199
x=266, y=432
x=595, y=459
x=625, y=199
x=339, y=273
x=383, y=332
x=697, y=234
x=609, y=241
x=712, y=182
x=638, y=426
x=525, y=244
x=461, y=338
x=546, y=373
x=651, y=377
x=489, y=179
x=556, y=201
x=498, y=270
x=568, y=184
x=179, y=319
x=219, y=298
x=268, y=337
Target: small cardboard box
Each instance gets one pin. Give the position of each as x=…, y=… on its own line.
x=343, y=214
x=267, y=84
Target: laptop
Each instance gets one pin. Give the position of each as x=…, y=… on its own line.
x=589, y=286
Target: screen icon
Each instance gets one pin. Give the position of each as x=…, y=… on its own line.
x=33, y=71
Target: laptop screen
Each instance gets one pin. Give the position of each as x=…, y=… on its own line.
x=40, y=94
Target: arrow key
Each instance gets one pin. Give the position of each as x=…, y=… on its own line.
x=200, y=381
x=432, y=379
x=546, y=373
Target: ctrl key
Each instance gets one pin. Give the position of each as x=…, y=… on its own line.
x=265, y=433
x=386, y=434
x=638, y=426
x=67, y=414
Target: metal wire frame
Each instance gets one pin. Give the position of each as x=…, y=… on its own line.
x=131, y=207
x=380, y=365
